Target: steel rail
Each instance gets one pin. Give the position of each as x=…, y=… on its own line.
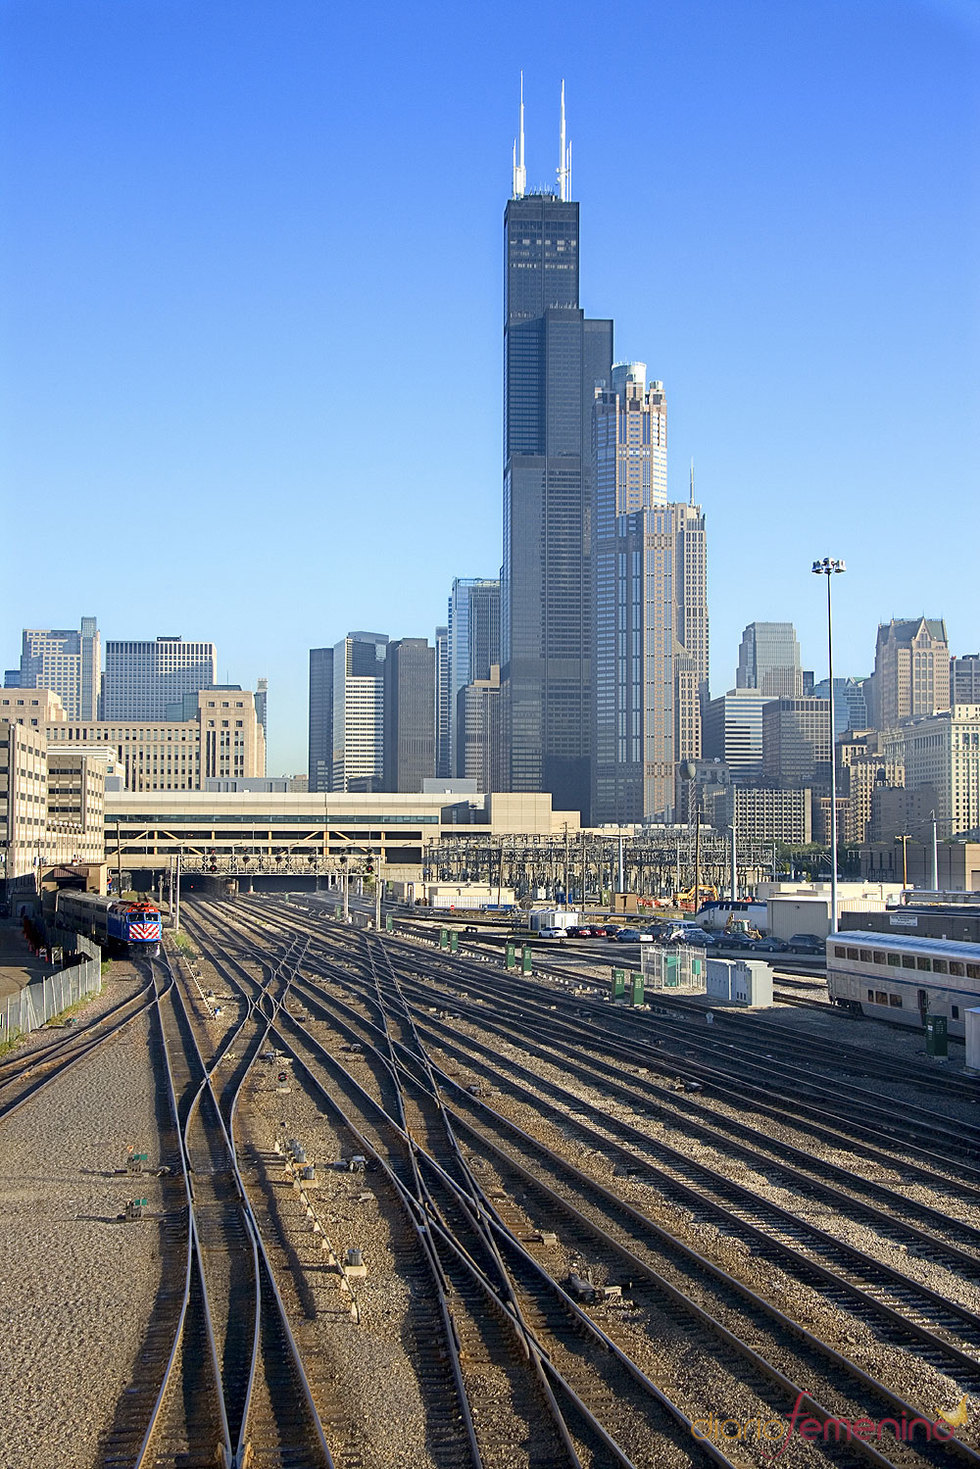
x=949, y=1352
x=263, y=1275
x=574, y=1398
x=772, y=1374
x=194, y=1266
x=845, y=1359
x=61, y=1066
x=814, y=1100
x=435, y=1225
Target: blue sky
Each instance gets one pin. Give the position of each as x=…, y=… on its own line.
x=251, y=340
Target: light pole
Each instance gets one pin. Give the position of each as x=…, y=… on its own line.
x=830, y=568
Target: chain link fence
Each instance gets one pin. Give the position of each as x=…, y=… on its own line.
x=675, y=969
x=41, y=1001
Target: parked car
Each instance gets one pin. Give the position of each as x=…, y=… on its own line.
x=807, y=943
x=698, y=937
x=735, y=941
x=627, y=936
x=552, y=933
x=771, y=945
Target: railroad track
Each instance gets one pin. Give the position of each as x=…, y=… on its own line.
x=526, y=1010
x=483, y=1305
x=365, y=1025
x=731, y=1068
x=857, y=1282
x=24, y=1073
x=230, y=1385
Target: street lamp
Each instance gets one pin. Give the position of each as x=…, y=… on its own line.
x=829, y=568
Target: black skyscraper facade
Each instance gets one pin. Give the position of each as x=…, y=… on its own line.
x=409, y=719
x=321, y=720
x=553, y=359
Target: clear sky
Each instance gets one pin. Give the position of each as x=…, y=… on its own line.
x=251, y=257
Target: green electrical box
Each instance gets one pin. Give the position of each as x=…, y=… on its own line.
x=444, y=938
x=636, y=996
x=511, y=960
x=618, y=983
x=526, y=962
x=389, y=923
x=936, y=1035
x=454, y=942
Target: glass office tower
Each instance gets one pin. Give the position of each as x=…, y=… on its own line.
x=553, y=359
x=474, y=645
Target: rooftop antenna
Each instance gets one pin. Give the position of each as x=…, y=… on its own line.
x=520, y=173
x=564, y=155
x=692, y=481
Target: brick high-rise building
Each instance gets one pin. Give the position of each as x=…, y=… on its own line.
x=911, y=676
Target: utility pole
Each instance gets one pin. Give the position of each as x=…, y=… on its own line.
x=697, y=852
x=377, y=893
x=935, y=852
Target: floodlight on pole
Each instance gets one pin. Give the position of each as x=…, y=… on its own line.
x=829, y=568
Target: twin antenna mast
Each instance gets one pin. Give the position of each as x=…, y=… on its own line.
x=564, y=170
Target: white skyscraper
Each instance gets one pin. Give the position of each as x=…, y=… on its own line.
x=67, y=661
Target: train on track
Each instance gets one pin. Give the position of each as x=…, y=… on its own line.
x=120, y=926
x=901, y=979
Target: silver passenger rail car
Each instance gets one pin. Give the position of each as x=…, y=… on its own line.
x=901, y=979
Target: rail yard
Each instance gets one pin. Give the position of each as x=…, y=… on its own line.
x=297, y=1193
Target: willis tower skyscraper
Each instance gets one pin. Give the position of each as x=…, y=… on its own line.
x=553, y=360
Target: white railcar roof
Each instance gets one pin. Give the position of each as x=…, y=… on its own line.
x=951, y=948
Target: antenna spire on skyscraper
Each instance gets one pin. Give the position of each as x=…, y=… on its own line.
x=520, y=173
x=564, y=155
x=692, y=481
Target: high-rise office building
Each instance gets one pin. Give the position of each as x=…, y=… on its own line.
x=651, y=612
x=553, y=358
x=320, y=773
x=444, y=752
x=769, y=660
x=850, y=705
x=65, y=660
x=964, y=679
x=262, y=712
x=796, y=745
x=911, y=676
x=478, y=725
x=474, y=643
x=409, y=714
x=142, y=678
x=358, y=712
x=732, y=733
x=941, y=752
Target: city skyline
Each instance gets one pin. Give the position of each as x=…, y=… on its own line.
x=209, y=346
